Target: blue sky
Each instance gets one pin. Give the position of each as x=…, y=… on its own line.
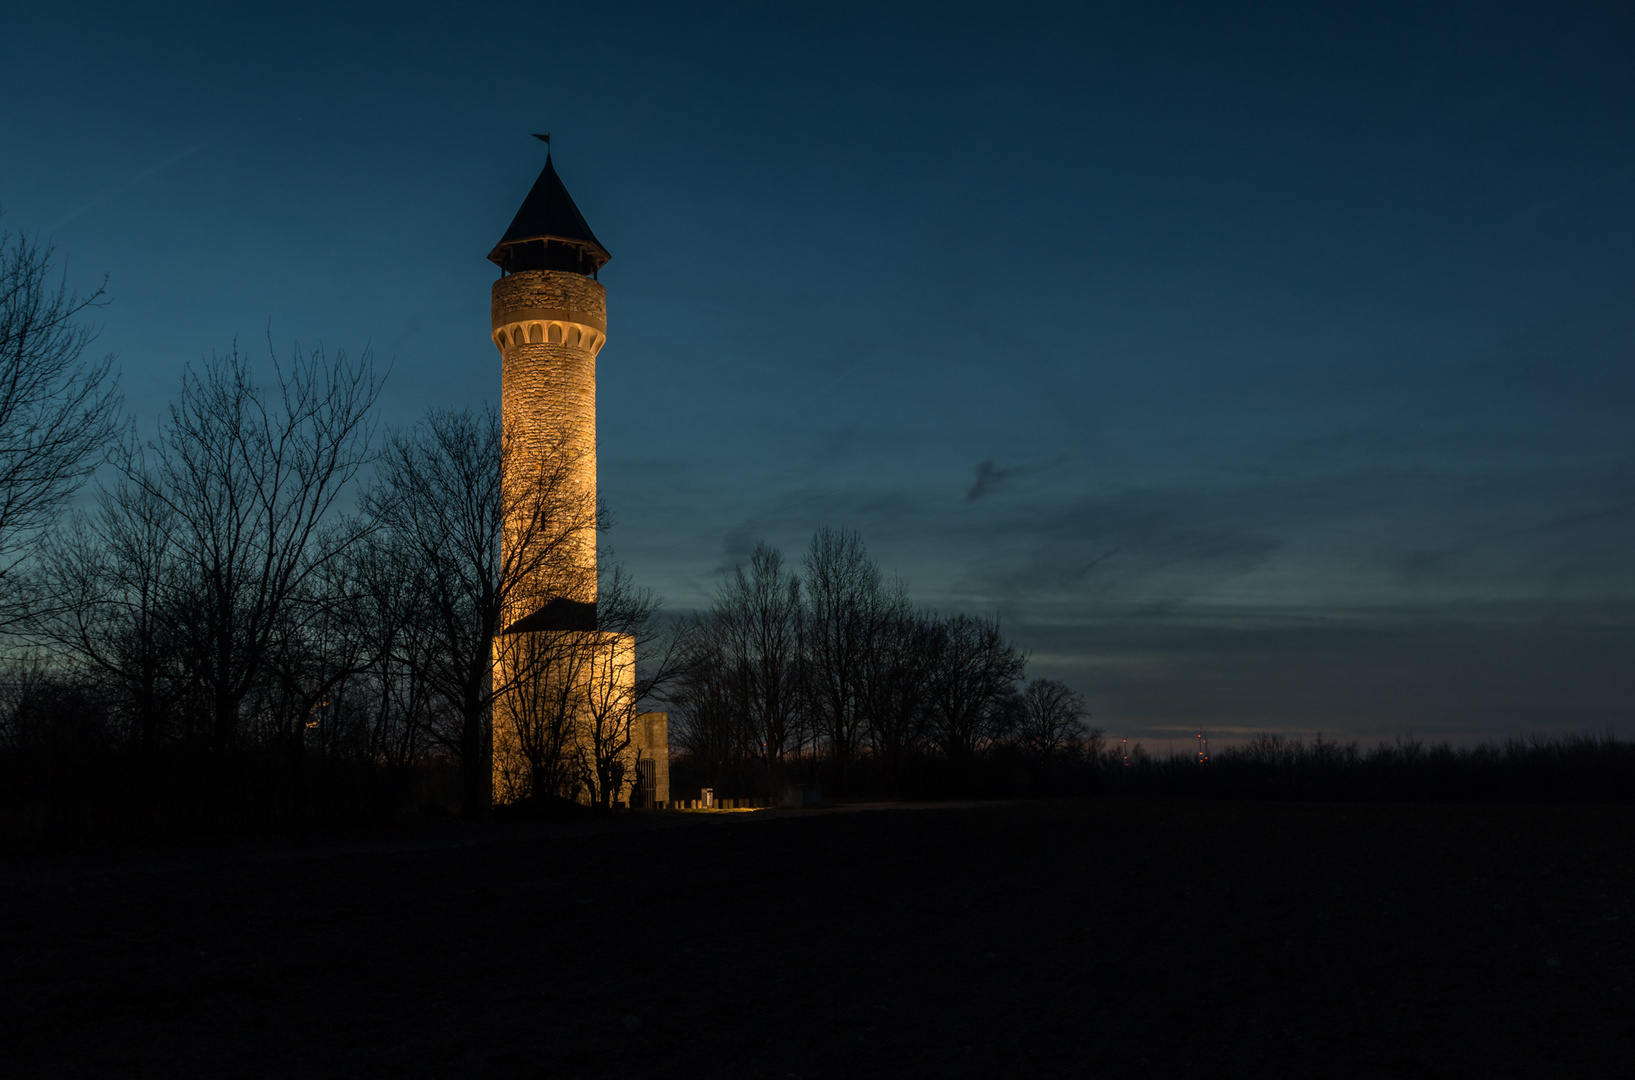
x=1298, y=342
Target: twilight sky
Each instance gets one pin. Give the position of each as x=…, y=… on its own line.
x=1265, y=370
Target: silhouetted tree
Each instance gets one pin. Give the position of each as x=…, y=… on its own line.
x=322, y=647
x=710, y=728
x=742, y=692
x=574, y=698
x=845, y=610
x=58, y=409
x=248, y=483
x=441, y=496
x=897, y=681
x=120, y=593
x=974, y=673
x=398, y=621
x=1050, y=718
x=544, y=675
x=622, y=678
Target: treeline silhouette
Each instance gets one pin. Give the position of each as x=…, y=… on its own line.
x=221, y=641
x=1574, y=767
x=829, y=675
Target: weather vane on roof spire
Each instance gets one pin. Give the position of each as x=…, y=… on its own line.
x=546, y=139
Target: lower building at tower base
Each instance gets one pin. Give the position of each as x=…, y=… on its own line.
x=566, y=725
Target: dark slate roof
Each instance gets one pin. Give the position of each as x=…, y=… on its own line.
x=548, y=211
x=559, y=614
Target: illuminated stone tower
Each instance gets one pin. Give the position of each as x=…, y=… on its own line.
x=571, y=681
x=549, y=322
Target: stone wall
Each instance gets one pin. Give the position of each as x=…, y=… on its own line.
x=548, y=412
x=579, y=298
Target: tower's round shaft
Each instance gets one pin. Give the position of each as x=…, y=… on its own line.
x=549, y=325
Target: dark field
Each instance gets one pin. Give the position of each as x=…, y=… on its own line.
x=1017, y=940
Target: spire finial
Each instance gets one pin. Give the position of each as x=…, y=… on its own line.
x=546, y=139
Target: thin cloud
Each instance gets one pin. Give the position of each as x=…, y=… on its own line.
x=986, y=477
x=989, y=475
x=409, y=331
x=151, y=170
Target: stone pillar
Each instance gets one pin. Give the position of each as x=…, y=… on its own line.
x=652, y=740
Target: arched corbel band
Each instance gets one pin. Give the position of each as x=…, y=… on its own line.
x=547, y=331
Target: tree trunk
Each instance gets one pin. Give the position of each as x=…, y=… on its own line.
x=476, y=763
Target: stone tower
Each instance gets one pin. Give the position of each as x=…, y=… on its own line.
x=549, y=322
x=570, y=680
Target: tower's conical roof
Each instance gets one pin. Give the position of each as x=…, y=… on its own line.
x=549, y=213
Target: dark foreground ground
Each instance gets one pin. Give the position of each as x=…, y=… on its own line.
x=1093, y=938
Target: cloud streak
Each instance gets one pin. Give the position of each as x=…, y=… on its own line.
x=152, y=170
x=987, y=477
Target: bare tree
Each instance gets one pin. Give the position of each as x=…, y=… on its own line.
x=249, y=482
x=754, y=632
x=662, y=642
x=844, y=613
x=635, y=656
x=545, y=676
x=58, y=409
x=897, y=682
x=118, y=589
x=488, y=552
x=323, y=645
x=573, y=705
x=976, y=671
x=604, y=666
x=712, y=726
x=1051, y=719
x=397, y=622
